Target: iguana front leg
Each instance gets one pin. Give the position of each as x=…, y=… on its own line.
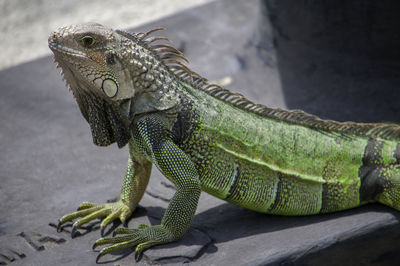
x=177, y=167
x=135, y=183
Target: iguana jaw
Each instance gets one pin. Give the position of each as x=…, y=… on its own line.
x=57, y=48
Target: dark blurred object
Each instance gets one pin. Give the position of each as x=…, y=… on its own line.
x=339, y=59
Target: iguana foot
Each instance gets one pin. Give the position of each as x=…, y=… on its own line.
x=90, y=211
x=143, y=237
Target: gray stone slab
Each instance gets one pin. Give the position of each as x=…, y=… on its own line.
x=48, y=166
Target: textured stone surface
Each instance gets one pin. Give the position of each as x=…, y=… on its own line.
x=48, y=166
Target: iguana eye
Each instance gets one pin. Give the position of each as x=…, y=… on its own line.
x=87, y=41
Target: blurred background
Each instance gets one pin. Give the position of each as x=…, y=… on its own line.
x=27, y=23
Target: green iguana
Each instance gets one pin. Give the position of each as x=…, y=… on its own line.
x=204, y=138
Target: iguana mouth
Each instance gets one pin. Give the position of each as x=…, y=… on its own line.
x=58, y=48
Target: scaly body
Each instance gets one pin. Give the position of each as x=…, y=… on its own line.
x=252, y=159
x=203, y=137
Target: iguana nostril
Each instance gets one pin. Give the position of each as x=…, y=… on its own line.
x=52, y=40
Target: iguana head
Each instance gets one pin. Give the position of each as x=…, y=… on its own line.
x=114, y=75
x=92, y=56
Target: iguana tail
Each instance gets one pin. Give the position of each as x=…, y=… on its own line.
x=389, y=186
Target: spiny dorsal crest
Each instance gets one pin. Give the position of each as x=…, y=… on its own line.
x=173, y=58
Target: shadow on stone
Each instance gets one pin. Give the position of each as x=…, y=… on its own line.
x=337, y=59
x=228, y=222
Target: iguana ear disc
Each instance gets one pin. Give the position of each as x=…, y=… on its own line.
x=110, y=88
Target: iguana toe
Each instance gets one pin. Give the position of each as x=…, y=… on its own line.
x=88, y=212
x=86, y=205
x=143, y=238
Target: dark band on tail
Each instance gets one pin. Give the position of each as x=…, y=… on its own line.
x=369, y=171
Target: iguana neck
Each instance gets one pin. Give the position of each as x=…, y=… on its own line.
x=157, y=89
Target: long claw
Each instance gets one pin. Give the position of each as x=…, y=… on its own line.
x=95, y=245
x=59, y=226
x=138, y=256
x=102, y=229
x=98, y=257
x=73, y=231
x=124, y=222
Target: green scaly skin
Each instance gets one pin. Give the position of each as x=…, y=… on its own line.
x=204, y=138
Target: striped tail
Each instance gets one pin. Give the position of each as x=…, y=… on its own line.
x=380, y=173
x=389, y=186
